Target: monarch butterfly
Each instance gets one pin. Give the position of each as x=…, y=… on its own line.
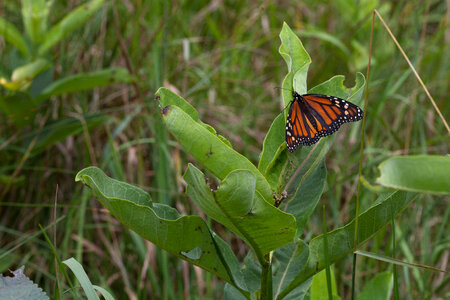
x=313, y=116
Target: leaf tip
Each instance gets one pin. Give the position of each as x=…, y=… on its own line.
x=79, y=175
x=83, y=172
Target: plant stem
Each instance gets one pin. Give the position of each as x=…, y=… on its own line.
x=266, y=278
x=327, y=258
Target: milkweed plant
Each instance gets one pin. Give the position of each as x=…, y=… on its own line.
x=267, y=206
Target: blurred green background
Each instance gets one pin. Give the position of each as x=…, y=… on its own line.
x=223, y=57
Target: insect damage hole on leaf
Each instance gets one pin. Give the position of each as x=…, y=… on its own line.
x=193, y=254
x=165, y=110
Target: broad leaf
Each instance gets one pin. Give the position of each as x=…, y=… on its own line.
x=19, y=286
x=209, y=150
x=251, y=271
x=85, y=81
x=232, y=293
x=277, y=169
x=272, y=142
x=288, y=261
x=62, y=129
x=341, y=240
x=418, y=173
x=70, y=23
x=379, y=288
x=237, y=206
x=319, y=286
x=297, y=60
x=30, y=70
x=187, y=237
x=22, y=76
x=13, y=36
x=34, y=16
x=166, y=97
x=307, y=195
x=335, y=86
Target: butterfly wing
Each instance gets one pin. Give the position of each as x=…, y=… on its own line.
x=300, y=129
x=312, y=116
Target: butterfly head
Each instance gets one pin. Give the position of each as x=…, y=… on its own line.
x=296, y=95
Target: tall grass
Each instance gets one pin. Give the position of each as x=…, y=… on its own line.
x=223, y=57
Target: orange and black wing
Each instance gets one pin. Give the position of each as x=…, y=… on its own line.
x=313, y=116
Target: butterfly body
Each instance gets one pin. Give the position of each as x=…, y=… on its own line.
x=313, y=116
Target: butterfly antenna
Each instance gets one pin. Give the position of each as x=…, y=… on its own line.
x=280, y=88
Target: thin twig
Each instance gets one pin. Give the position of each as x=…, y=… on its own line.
x=361, y=151
x=414, y=71
x=54, y=242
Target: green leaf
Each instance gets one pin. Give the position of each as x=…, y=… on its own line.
x=34, y=15
x=297, y=60
x=290, y=259
x=379, y=288
x=277, y=169
x=272, y=142
x=82, y=277
x=319, y=290
x=163, y=226
x=19, y=286
x=107, y=295
x=210, y=150
x=231, y=293
x=340, y=241
x=308, y=194
x=335, y=86
x=166, y=97
x=418, y=173
x=22, y=76
x=251, y=270
x=13, y=36
x=70, y=23
x=236, y=205
x=30, y=70
x=85, y=81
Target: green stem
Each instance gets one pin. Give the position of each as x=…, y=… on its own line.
x=266, y=278
x=327, y=258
